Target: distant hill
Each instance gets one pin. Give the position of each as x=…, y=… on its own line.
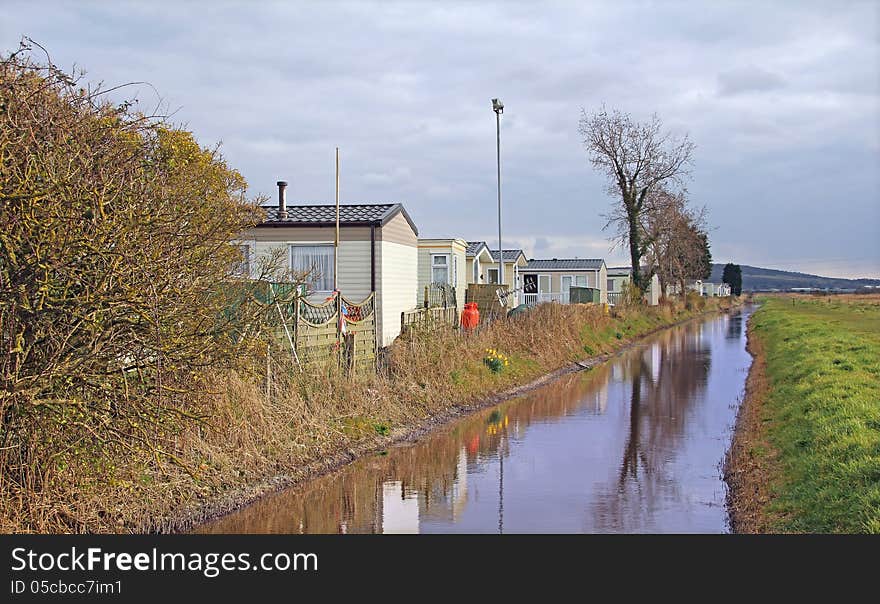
x=756, y=278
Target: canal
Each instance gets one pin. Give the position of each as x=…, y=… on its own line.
x=634, y=445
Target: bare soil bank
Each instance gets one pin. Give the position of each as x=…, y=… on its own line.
x=748, y=462
x=241, y=497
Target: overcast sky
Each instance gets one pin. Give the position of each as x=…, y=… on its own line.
x=782, y=100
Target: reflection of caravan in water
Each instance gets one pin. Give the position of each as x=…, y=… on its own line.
x=403, y=508
x=440, y=504
x=400, y=511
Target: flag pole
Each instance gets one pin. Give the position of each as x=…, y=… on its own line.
x=336, y=240
x=340, y=320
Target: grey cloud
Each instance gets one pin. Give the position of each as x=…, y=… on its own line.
x=748, y=79
x=783, y=101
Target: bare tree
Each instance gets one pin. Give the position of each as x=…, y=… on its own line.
x=670, y=230
x=659, y=222
x=638, y=158
x=681, y=253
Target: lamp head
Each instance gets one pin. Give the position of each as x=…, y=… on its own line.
x=497, y=106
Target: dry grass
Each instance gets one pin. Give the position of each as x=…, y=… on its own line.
x=250, y=435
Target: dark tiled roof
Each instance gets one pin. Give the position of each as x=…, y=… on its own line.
x=509, y=255
x=570, y=264
x=364, y=214
x=473, y=247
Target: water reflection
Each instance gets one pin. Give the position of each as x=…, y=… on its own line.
x=663, y=383
x=632, y=445
x=735, y=327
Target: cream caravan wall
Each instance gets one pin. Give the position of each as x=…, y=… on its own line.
x=396, y=275
x=653, y=293
x=397, y=265
x=470, y=271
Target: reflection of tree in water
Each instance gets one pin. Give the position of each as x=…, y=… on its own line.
x=434, y=470
x=734, y=326
x=664, y=381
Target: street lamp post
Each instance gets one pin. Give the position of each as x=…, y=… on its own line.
x=498, y=108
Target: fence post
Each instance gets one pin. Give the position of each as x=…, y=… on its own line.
x=296, y=324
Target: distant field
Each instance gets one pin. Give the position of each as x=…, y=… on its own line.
x=755, y=278
x=821, y=414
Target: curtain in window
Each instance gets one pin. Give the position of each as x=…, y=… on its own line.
x=315, y=262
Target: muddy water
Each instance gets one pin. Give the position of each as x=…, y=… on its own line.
x=634, y=445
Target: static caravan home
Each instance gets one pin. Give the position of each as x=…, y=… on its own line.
x=709, y=290
x=692, y=285
x=378, y=252
x=513, y=262
x=478, y=256
x=552, y=280
x=443, y=262
x=618, y=276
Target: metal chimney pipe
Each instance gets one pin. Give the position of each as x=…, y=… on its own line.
x=282, y=199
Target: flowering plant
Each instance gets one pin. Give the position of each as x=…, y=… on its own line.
x=495, y=360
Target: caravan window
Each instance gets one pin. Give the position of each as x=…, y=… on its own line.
x=440, y=268
x=315, y=264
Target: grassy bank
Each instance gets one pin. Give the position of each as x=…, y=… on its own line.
x=807, y=452
x=255, y=438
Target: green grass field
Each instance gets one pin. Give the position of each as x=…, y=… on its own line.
x=822, y=412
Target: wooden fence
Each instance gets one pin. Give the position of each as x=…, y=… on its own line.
x=438, y=307
x=425, y=317
x=320, y=335
x=337, y=330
